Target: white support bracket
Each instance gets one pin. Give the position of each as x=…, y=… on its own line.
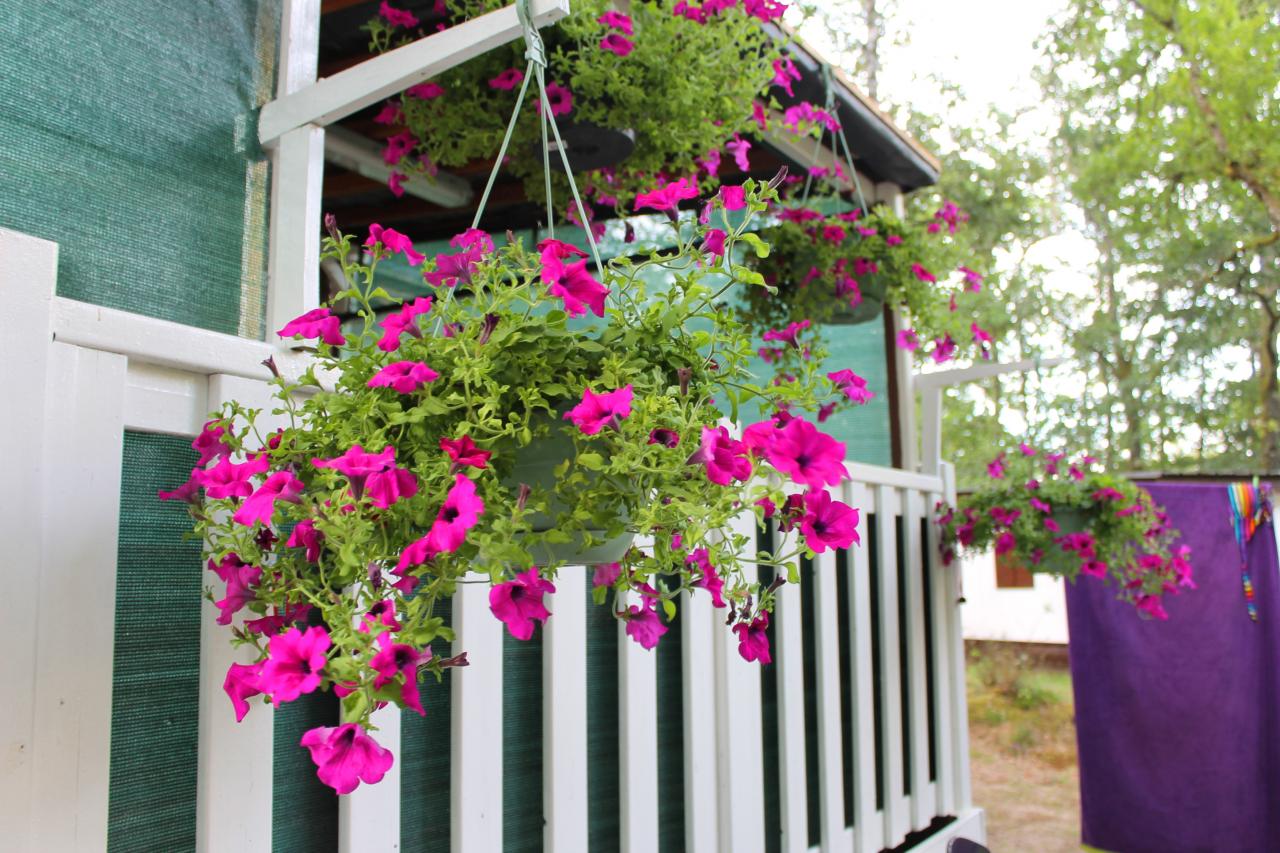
x=332, y=98
x=931, y=386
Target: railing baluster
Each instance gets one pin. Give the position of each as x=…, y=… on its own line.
x=896, y=816
x=788, y=657
x=700, y=620
x=369, y=817
x=868, y=825
x=922, y=797
x=638, y=717
x=831, y=763
x=943, y=601
x=476, y=808
x=564, y=712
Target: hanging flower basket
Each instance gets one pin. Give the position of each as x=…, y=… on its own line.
x=1060, y=518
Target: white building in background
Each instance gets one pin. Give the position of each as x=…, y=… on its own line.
x=1010, y=604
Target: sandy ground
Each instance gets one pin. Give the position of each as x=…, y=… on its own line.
x=1023, y=756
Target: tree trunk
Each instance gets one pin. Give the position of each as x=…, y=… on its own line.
x=871, y=47
x=1269, y=405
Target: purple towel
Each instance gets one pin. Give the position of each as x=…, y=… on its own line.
x=1178, y=722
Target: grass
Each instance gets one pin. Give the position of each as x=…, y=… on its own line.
x=1023, y=752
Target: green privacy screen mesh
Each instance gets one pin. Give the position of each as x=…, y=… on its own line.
x=137, y=152
x=304, y=811
x=425, y=774
x=671, y=737
x=605, y=814
x=521, y=744
x=155, y=676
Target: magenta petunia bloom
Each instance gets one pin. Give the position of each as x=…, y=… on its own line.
x=908, y=340
x=559, y=100
x=575, y=286
x=724, y=456
x=944, y=349
x=1005, y=517
x=389, y=114
x=982, y=338
x=784, y=74
x=240, y=684
x=518, y=602
x=807, y=454
x=461, y=510
x=316, y=323
x=713, y=242
x=386, y=487
x=258, y=507
x=617, y=44
x=305, y=535
x=753, y=642
x=644, y=625
x=402, y=321
x=458, y=268
x=188, y=491
x=395, y=183
x=973, y=280
x=398, y=147
x=1151, y=606
x=425, y=91
x=240, y=580
x=739, y=148
x=710, y=581
x=507, y=80
x=463, y=452
x=596, y=411
x=211, y=444
x=346, y=755
x=358, y=466
x=665, y=437
x=1036, y=503
x=923, y=274
x=269, y=626
x=1006, y=543
x=892, y=240
x=828, y=523
x=617, y=21
x=606, y=574
x=733, y=198
x=381, y=615
x=394, y=242
x=397, y=17
x=667, y=197
x=230, y=480
x=851, y=385
x=1108, y=494
x=400, y=659
x=995, y=468
x=404, y=377
x=787, y=335
x=295, y=663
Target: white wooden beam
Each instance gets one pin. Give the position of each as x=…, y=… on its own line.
x=564, y=713
x=28, y=272
x=293, y=267
x=638, y=719
x=332, y=98
x=362, y=155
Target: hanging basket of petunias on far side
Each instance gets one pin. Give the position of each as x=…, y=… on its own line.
x=332, y=540
x=1059, y=517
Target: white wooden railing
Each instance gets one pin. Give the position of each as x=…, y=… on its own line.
x=82, y=375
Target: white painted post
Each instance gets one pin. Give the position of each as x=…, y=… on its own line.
x=788, y=657
x=28, y=273
x=369, y=817
x=896, y=818
x=564, y=712
x=740, y=764
x=950, y=581
x=943, y=600
x=233, y=778
x=700, y=621
x=922, y=811
x=83, y=423
x=476, y=731
x=868, y=825
x=638, y=741
x=830, y=739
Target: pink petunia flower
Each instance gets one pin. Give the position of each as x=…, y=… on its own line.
x=394, y=242
x=643, y=623
x=398, y=147
x=944, y=349
x=305, y=535
x=787, y=335
x=403, y=377
x=733, y=197
x=397, y=17
x=606, y=574
x=464, y=453
x=576, y=287
x=616, y=21
x=596, y=411
x=725, y=458
x=240, y=580
x=461, y=510
x=908, y=340
x=389, y=114
x=559, y=100
x=346, y=755
x=617, y=44
x=851, y=385
x=807, y=455
x=753, y=642
x=923, y=274
x=259, y=507
x=710, y=581
x=240, y=684
x=784, y=74
x=1006, y=542
x=982, y=338
x=519, y=602
x=395, y=659
x=507, y=80
x=667, y=197
x=428, y=91
x=277, y=621
x=395, y=183
x=973, y=280
x=828, y=523
x=316, y=323
x=295, y=663
x=211, y=444
x=739, y=148
x=666, y=437
x=459, y=267
x=713, y=242
x=228, y=479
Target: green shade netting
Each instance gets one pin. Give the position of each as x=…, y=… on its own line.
x=522, y=744
x=425, y=756
x=137, y=151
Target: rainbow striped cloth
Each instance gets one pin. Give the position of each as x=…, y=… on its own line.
x=1250, y=509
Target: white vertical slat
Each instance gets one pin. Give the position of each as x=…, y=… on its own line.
x=564, y=712
x=369, y=817
x=297, y=172
x=638, y=764
x=896, y=817
x=922, y=798
x=698, y=620
x=868, y=826
x=740, y=765
x=28, y=272
x=788, y=657
x=233, y=760
x=476, y=732
x=830, y=736
x=943, y=600
x=83, y=438
x=955, y=662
